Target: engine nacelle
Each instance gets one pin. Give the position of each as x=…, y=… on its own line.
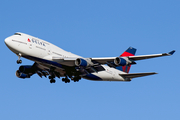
x=21, y=75
x=120, y=61
x=25, y=69
x=83, y=62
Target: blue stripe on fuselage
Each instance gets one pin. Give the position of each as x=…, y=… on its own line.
x=92, y=77
x=44, y=61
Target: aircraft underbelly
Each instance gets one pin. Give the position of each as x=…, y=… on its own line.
x=103, y=76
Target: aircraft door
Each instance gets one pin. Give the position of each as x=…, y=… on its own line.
x=48, y=49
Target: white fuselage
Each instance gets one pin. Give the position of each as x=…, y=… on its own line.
x=34, y=49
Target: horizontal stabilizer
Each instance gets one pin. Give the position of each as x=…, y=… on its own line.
x=134, y=75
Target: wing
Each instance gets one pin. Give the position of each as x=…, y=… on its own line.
x=111, y=61
x=142, y=57
x=82, y=65
x=132, y=58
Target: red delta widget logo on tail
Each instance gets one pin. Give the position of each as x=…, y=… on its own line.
x=129, y=52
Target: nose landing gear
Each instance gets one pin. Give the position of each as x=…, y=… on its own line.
x=19, y=61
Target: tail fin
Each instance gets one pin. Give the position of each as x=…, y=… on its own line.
x=129, y=52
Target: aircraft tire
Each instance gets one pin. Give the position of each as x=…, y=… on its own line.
x=67, y=80
x=63, y=79
x=52, y=81
x=19, y=61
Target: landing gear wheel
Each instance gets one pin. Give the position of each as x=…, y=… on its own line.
x=52, y=81
x=76, y=79
x=19, y=61
x=66, y=80
x=63, y=79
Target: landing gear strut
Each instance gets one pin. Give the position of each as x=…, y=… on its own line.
x=19, y=61
x=52, y=76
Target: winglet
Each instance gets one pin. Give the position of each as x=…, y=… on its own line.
x=172, y=52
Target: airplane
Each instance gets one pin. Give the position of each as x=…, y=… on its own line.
x=51, y=61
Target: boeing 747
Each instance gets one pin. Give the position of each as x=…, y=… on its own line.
x=51, y=61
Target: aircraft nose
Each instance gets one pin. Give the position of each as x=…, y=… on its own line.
x=7, y=40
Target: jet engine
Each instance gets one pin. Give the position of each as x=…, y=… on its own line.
x=83, y=62
x=120, y=61
x=22, y=75
x=25, y=71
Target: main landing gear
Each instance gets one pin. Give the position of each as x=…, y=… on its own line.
x=52, y=80
x=66, y=80
x=19, y=61
x=52, y=76
x=76, y=78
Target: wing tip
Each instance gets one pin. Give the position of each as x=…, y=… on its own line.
x=172, y=52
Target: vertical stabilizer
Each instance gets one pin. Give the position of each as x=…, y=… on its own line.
x=129, y=52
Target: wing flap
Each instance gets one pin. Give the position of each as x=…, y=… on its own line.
x=103, y=60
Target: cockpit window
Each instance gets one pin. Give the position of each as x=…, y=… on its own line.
x=17, y=34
